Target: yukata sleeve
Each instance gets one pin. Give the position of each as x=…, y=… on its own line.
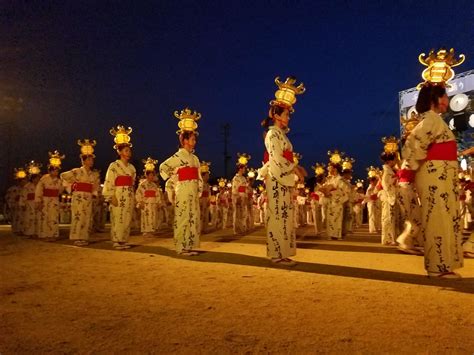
x=168, y=167
x=418, y=142
x=274, y=145
x=39, y=190
x=109, y=183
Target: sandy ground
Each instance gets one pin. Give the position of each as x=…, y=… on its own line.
x=350, y=296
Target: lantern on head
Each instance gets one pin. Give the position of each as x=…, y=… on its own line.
x=439, y=65
x=122, y=136
x=285, y=96
x=55, y=159
x=205, y=167
x=187, y=120
x=87, y=146
x=243, y=158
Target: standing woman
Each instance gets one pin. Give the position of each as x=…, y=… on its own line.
x=431, y=150
x=47, y=199
x=239, y=195
x=279, y=173
x=388, y=197
x=84, y=184
x=183, y=168
x=30, y=217
x=118, y=188
x=148, y=199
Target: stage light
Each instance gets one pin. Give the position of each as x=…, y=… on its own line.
x=464, y=164
x=471, y=120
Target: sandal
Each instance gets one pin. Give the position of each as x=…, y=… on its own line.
x=284, y=262
x=469, y=254
x=444, y=275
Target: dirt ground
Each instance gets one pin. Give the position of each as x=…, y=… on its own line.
x=349, y=296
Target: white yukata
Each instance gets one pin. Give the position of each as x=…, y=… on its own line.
x=431, y=150
x=335, y=205
x=223, y=208
x=183, y=169
x=170, y=201
x=348, y=214
x=84, y=186
x=148, y=198
x=47, y=194
x=250, y=208
x=119, y=182
x=239, y=200
x=358, y=209
x=29, y=213
x=279, y=182
x=388, y=197
x=373, y=209
x=315, y=197
x=262, y=207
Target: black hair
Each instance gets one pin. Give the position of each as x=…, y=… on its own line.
x=388, y=156
x=86, y=156
x=274, y=110
x=120, y=147
x=185, y=136
x=429, y=95
x=337, y=166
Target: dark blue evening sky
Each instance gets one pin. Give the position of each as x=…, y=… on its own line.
x=84, y=66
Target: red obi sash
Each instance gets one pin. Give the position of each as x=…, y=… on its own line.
x=442, y=151
x=123, y=180
x=188, y=173
x=150, y=193
x=82, y=187
x=205, y=193
x=315, y=196
x=30, y=196
x=266, y=157
x=287, y=154
x=373, y=197
x=242, y=189
x=50, y=193
x=405, y=175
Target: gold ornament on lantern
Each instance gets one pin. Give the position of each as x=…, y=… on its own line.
x=390, y=144
x=221, y=182
x=261, y=188
x=359, y=183
x=335, y=156
x=347, y=164
x=205, y=167
x=251, y=173
x=285, y=96
x=34, y=168
x=319, y=169
x=19, y=173
x=409, y=123
x=187, y=120
x=55, y=159
x=87, y=146
x=439, y=65
x=243, y=158
x=149, y=164
x=122, y=136
x=373, y=172
x=297, y=157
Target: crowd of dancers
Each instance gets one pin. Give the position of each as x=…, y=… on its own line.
x=416, y=201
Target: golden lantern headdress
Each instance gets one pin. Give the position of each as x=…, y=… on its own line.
x=187, y=120
x=221, y=182
x=87, y=146
x=408, y=123
x=319, y=169
x=149, y=164
x=229, y=185
x=390, y=145
x=205, y=167
x=55, y=159
x=19, y=173
x=439, y=65
x=297, y=157
x=373, y=172
x=33, y=168
x=243, y=158
x=261, y=188
x=359, y=183
x=285, y=96
x=335, y=157
x=215, y=188
x=251, y=173
x=347, y=164
x=300, y=186
x=122, y=136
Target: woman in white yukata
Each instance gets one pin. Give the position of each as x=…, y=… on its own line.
x=388, y=197
x=30, y=215
x=240, y=196
x=119, y=189
x=84, y=183
x=183, y=168
x=431, y=150
x=47, y=195
x=373, y=203
x=148, y=199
